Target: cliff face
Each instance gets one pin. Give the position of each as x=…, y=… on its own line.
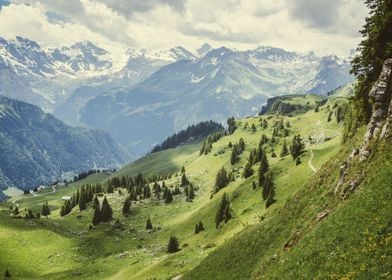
x=379, y=127
x=380, y=122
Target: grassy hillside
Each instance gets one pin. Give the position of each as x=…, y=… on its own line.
x=250, y=244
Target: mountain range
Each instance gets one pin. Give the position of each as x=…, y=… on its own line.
x=36, y=148
x=155, y=93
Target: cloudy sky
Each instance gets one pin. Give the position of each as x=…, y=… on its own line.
x=323, y=26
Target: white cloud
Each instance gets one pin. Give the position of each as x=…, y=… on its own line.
x=301, y=25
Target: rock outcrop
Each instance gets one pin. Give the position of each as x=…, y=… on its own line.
x=382, y=109
x=379, y=126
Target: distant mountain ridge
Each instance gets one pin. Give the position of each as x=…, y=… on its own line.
x=220, y=84
x=158, y=92
x=36, y=148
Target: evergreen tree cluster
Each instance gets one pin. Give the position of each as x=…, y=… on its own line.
x=297, y=147
x=265, y=181
x=81, y=198
x=221, y=179
x=285, y=150
x=84, y=175
x=263, y=123
x=231, y=125
x=279, y=129
x=102, y=214
x=45, y=211
x=237, y=151
x=207, y=144
x=224, y=211
x=199, y=130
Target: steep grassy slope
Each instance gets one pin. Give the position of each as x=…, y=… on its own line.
x=352, y=242
x=110, y=251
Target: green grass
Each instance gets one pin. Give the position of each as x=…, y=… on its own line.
x=240, y=249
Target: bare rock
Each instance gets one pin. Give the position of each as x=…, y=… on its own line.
x=322, y=215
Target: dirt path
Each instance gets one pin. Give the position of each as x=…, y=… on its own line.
x=310, y=161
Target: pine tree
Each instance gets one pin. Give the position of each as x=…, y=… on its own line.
x=16, y=211
x=234, y=154
x=173, y=245
x=231, y=125
x=190, y=193
x=96, y=203
x=248, y=171
x=221, y=179
x=285, y=151
x=106, y=211
x=264, y=166
x=97, y=219
x=149, y=224
x=184, y=180
x=253, y=128
x=224, y=211
x=199, y=227
x=62, y=211
x=183, y=170
x=168, y=196
x=45, y=211
x=126, y=206
x=297, y=147
x=7, y=274
x=268, y=190
x=82, y=200
x=241, y=145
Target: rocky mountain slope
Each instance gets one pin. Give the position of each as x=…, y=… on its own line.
x=37, y=148
x=220, y=84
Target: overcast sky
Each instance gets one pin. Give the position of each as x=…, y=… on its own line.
x=323, y=26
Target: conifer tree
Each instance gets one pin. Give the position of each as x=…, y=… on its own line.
x=241, y=145
x=183, y=170
x=97, y=219
x=224, y=211
x=173, y=245
x=62, y=211
x=248, y=171
x=16, y=211
x=7, y=274
x=221, y=179
x=149, y=224
x=285, y=151
x=263, y=169
x=199, y=227
x=126, y=206
x=189, y=192
x=297, y=147
x=253, y=128
x=234, y=154
x=106, y=211
x=268, y=190
x=184, y=180
x=96, y=203
x=168, y=196
x=82, y=199
x=45, y=211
